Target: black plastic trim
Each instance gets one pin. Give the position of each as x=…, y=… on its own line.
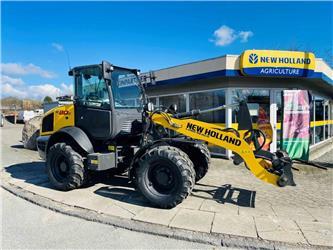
x=47, y=124
x=41, y=145
x=77, y=134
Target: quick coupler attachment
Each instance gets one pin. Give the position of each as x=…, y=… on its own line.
x=282, y=164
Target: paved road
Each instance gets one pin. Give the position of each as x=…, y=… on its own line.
x=25, y=225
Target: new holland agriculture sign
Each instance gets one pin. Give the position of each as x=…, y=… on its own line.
x=277, y=63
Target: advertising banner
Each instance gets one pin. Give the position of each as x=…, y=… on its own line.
x=277, y=63
x=296, y=124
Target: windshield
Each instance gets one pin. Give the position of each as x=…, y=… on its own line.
x=125, y=89
x=91, y=89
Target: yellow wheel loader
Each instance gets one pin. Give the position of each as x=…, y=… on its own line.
x=111, y=126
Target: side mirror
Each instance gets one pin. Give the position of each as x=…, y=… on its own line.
x=173, y=108
x=150, y=106
x=106, y=69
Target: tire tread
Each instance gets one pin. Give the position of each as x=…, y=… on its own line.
x=181, y=161
x=78, y=174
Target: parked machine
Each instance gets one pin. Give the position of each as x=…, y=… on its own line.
x=111, y=126
x=2, y=119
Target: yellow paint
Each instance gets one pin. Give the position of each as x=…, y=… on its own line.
x=64, y=116
x=95, y=162
x=312, y=124
x=277, y=58
x=278, y=125
x=258, y=168
x=320, y=123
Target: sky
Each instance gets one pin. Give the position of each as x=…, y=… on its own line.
x=38, y=36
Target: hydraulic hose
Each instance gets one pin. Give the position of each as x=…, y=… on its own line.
x=196, y=112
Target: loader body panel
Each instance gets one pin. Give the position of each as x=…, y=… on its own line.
x=210, y=133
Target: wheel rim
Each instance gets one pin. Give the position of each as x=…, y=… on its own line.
x=60, y=168
x=163, y=178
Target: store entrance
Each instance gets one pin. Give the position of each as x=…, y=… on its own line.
x=259, y=105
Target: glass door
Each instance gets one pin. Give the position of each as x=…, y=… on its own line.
x=259, y=103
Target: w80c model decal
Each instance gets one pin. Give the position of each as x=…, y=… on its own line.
x=63, y=112
x=211, y=133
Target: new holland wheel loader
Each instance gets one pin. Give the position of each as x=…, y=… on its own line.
x=111, y=126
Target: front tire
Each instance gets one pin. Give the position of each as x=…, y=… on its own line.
x=165, y=176
x=65, y=167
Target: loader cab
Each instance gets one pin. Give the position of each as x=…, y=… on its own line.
x=108, y=99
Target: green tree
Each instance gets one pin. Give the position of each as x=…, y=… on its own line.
x=48, y=99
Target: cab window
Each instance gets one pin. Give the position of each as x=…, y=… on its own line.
x=91, y=89
x=125, y=89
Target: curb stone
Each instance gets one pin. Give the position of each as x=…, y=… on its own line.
x=214, y=239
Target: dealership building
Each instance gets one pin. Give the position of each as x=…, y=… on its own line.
x=259, y=76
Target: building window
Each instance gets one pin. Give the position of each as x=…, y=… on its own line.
x=312, y=120
x=179, y=100
x=279, y=119
x=326, y=119
x=319, y=119
x=252, y=96
x=331, y=119
x=207, y=100
x=153, y=100
x=258, y=101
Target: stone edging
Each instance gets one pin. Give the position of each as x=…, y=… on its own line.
x=215, y=239
x=320, y=149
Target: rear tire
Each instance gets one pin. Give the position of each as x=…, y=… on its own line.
x=165, y=176
x=65, y=167
x=200, y=156
x=1, y=120
x=30, y=142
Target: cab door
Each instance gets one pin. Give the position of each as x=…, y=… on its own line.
x=92, y=106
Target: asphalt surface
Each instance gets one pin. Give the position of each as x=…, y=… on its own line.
x=28, y=226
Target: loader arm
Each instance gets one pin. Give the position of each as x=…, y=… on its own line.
x=212, y=134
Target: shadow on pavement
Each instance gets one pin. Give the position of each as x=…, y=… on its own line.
x=227, y=194
x=17, y=146
x=119, y=188
x=129, y=196
x=323, y=164
x=35, y=173
x=31, y=172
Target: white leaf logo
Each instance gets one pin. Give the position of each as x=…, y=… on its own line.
x=253, y=58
